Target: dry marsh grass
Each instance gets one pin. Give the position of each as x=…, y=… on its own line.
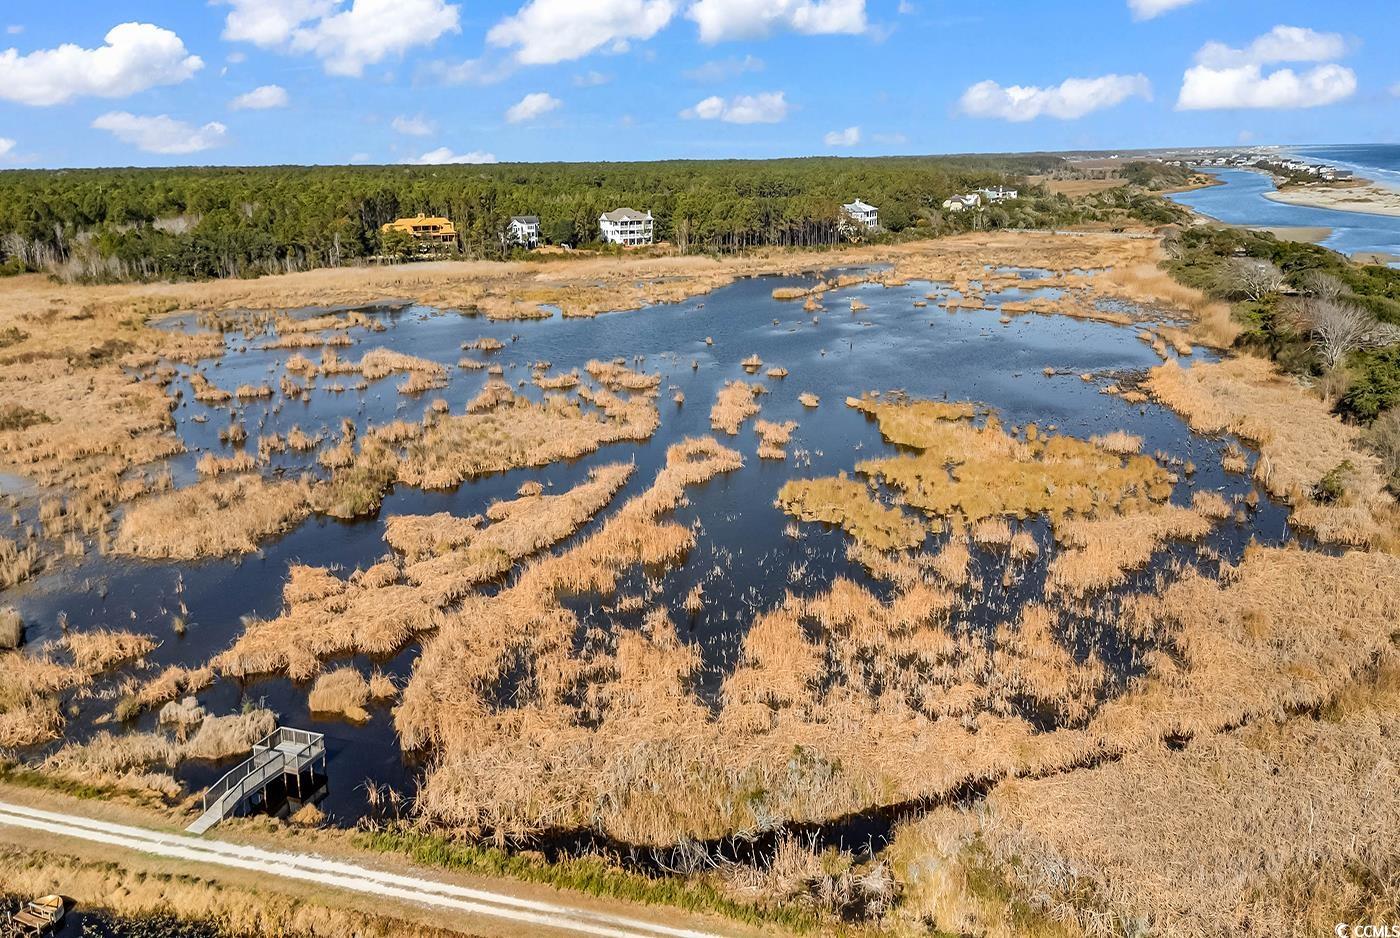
x=773, y=437
x=132, y=888
x=1299, y=441
x=343, y=691
x=11, y=629
x=973, y=472
x=735, y=402
x=1098, y=553
x=377, y=610
x=215, y=517
x=101, y=649
x=852, y=506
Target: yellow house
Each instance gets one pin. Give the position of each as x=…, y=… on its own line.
x=425, y=228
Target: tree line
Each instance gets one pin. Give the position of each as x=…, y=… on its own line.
x=118, y=224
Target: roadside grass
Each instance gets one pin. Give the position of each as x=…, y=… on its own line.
x=587, y=874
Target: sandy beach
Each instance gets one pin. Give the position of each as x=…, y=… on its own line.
x=1366, y=197
x=1310, y=235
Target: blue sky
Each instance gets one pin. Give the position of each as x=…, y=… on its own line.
x=165, y=82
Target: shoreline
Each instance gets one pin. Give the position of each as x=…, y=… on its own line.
x=1364, y=198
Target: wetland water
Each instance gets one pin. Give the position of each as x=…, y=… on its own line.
x=743, y=555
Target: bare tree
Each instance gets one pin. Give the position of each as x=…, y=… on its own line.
x=1339, y=328
x=1256, y=279
x=1324, y=286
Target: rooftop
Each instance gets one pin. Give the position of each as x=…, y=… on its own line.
x=626, y=214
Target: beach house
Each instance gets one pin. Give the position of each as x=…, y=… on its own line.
x=862, y=214
x=959, y=203
x=422, y=227
x=627, y=226
x=998, y=194
x=524, y=230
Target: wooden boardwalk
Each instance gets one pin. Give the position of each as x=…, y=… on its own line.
x=285, y=755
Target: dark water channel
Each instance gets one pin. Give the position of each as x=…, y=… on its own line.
x=742, y=556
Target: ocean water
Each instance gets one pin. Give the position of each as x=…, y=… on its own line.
x=1379, y=162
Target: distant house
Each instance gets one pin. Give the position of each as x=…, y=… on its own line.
x=524, y=230
x=999, y=194
x=959, y=203
x=627, y=226
x=425, y=228
x=862, y=214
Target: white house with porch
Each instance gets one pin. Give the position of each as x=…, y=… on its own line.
x=524, y=230
x=862, y=214
x=627, y=226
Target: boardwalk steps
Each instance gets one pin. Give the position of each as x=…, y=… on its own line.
x=286, y=756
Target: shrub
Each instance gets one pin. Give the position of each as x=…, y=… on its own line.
x=1332, y=486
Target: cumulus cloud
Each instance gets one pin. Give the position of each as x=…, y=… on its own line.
x=843, y=138
x=768, y=107
x=134, y=57
x=1280, y=44
x=6, y=145
x=261, y=99
x=271, y=23
x=1205, y=88
x=532, y=106
x=1225, y=77
x=1151, y=9
x=591, y=79
x=443, y=156
x=721, y=20
x=412, y=126
x=345, y=38
x=543, y=32
x=1072, y=98
x=161, y=134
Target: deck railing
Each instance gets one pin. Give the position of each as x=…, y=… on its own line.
x=281, y=750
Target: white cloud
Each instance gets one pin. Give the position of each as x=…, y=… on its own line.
x=543, y=32
x=1280, y=44
x=271, y=23
x=1072, y=98
x=359, y=158
x=1206, y=88
x=842, y=138
x=721, y=20
x=442, y=156
x=532, y=106
x=767, y=107
x=1225, y=77
x=136, y=56
x=6, y=145
x=345, y=38
x=14, y=30
x=1151, y=9
x=261, y=99
x=591, y=79
x=161, y=134
x=412, y=126
x=721, y=69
